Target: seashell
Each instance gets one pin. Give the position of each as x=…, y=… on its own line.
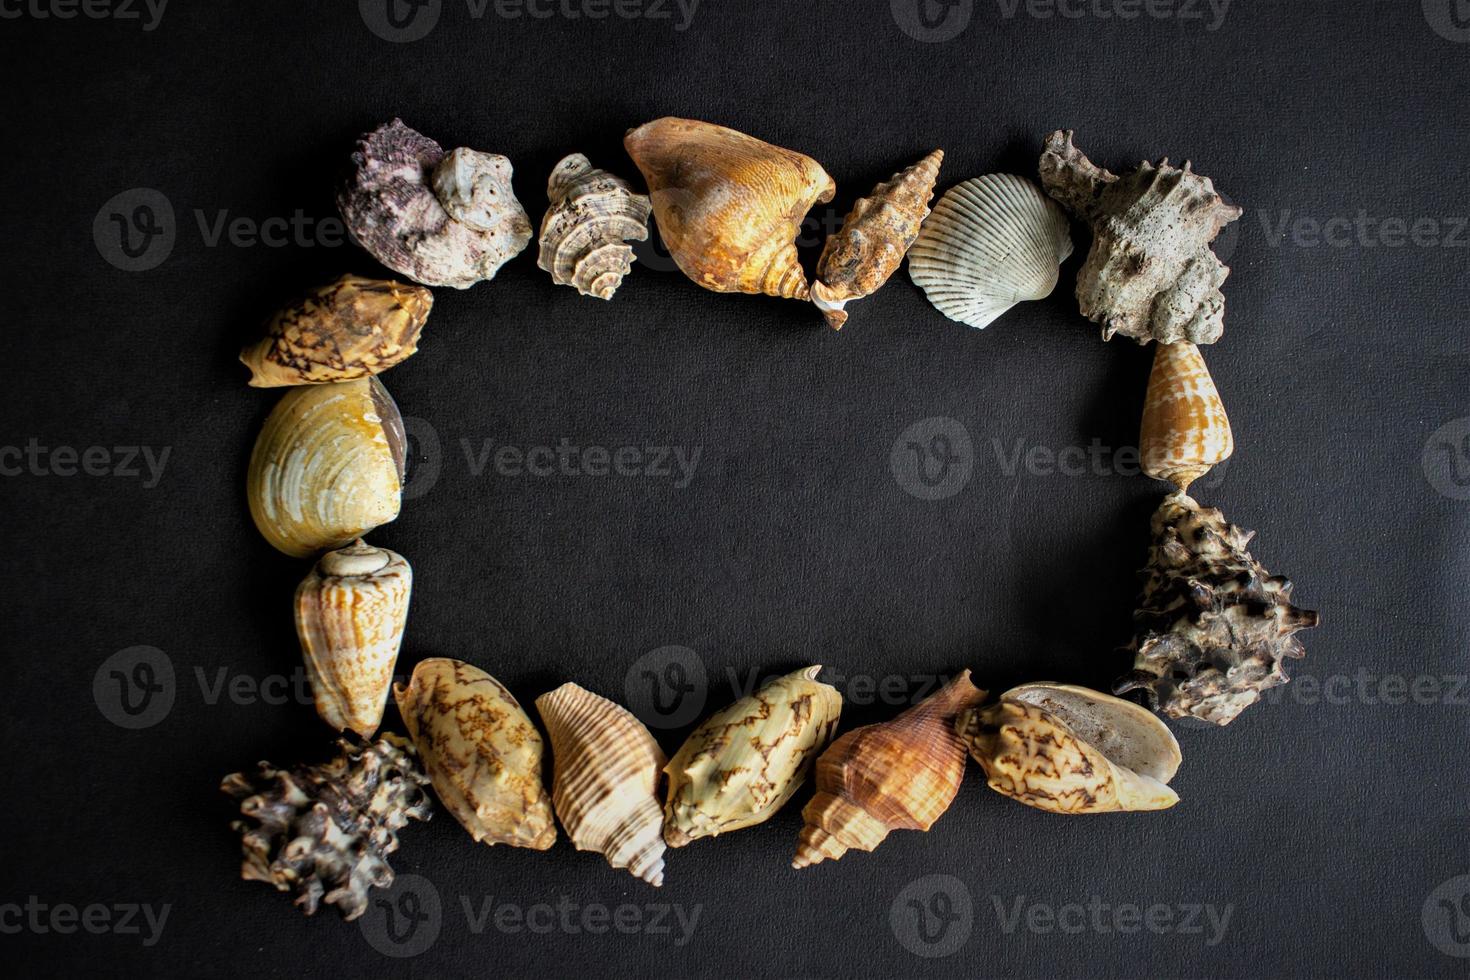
x=729, y=206
x=325, y=831
x=482, y=753
x=900, y=775
x=1185, y=431
x=348, y=329
x=875, y=236
x=327, y=466
x=351, y=611
x=592, y=215
x=1151, y=274
x=605, y=788
x=440, y=219
x=1067, y=749
x=992, y=242
x=1213, y=628
x=743, y=763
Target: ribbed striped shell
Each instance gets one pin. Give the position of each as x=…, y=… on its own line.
x=728, y=205
x=899, y=775
x=1185, y=431
x=351, y=611
x=605, y=788
x=583, y=235
x=992, y=242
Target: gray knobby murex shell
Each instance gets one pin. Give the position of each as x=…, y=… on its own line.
x=592, y=215
x=440, y=219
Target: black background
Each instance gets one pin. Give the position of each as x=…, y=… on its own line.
x=1325, y=822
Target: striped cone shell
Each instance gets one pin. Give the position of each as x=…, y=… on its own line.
x=606, y=780
x=1185, y=431
x=992, y=242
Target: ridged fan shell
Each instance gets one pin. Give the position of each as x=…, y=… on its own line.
x=1185, y=430
x=593, y=215
x=899, y=775
x=607, y=771
x=992, y=242
x=351, y=611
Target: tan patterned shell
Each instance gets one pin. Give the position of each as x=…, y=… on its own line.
x=875, y=237
x=728, y=205
x=742, y=764
x=481, y=752
x=1185, y=431
x=605, y=788
x=1068, y=749
x=347, y=329
x=351, y=611
x=593, y=215
x=899, y=775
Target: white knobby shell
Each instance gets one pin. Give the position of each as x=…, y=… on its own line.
x=583, y=236
x=991, y=242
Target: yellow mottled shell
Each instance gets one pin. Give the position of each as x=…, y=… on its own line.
x=742, y=764
x=875, y=237
x=1068, y=749
x=351, y=611
x=900, y=775
x=481, y=752
x=327, y=466
x=605, y=788
x=348, y=329
x=1185, y=430
x=728, y=205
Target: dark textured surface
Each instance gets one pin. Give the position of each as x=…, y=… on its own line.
x=1324, y=820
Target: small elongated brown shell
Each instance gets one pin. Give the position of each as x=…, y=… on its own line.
x=605, y=788
x=728, y=205
x=327, y=466
x=1185, y=431
x=592, y=215
x=875, y=237
x=743, y=763
x=482, y=753
x=899, y=775
x=1067, y=749
x=348, y=329
x=351, y=611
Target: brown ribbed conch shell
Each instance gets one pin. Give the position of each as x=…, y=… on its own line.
x=1185, y=431
x=605, y=788
x=1067, y=749
x=1213, y=628
x=875, y=236
x=899, y=775
x=1151, y=274
x=728, y=205
x=351, y=611
x=593, y=215
x=325, y=831
x=481, y=751
x=347, y=329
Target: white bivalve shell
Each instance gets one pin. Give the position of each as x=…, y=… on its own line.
x=992, y=242
x=592, y=216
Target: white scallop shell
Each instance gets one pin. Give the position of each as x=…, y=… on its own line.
x=992, y=242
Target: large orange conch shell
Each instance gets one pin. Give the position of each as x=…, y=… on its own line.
x=728, y=205
x=874, y=239
x=899, y=775
x=1185, y=431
